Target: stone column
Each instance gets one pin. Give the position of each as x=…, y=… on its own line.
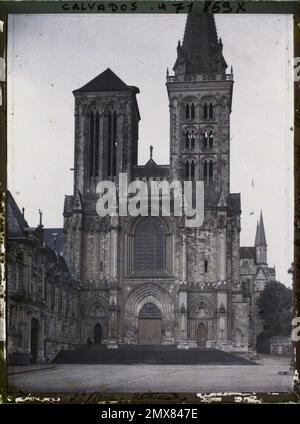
x=184, y=259
x=113, y=292
x=119, y=160
x=101, y=147
x=79, y=149
x=41, y=338
x=222, y=255
x=236, y=254
x=175, y=138
x=222, y=335
x=113, y=318
x=114, y=248
x=182, y=325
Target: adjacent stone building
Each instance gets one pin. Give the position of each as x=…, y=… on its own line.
x=255, y=273
x=42, y=297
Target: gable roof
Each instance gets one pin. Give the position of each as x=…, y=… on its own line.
x=106, y=81
x=16, y=223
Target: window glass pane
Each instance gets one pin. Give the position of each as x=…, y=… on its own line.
x=149, y=246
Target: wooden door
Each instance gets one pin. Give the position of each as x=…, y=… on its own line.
x=150, y=325
x=150, y=331
x=201, y=335
x=97, y=334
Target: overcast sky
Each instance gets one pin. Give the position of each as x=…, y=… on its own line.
x=51, y=55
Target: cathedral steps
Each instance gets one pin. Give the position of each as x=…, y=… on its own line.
x=156, y=355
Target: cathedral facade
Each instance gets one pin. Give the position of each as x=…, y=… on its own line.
x=151, y=280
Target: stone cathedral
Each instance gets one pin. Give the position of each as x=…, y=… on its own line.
x=152, y=280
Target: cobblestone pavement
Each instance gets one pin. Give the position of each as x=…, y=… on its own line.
x=270, y=375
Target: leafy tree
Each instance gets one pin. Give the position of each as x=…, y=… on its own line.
x=276, y=305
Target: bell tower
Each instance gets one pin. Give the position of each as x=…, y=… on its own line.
x=200, y=96
x=106, y=138
x=106, y=131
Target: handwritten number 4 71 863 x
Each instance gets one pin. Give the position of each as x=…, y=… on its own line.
x=209, y=7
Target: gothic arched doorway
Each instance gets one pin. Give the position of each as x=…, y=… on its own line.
x=150, y=325
x=97, y=334
x=34, y=339
x=201, y=335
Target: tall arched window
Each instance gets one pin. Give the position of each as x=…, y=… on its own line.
x=91, y=161
x=192, y=111
x=111, y=143
x=150, y=246
x=205, y=111
x=211, y=111
x=205, y=137
x=187, y=140
x=114, y=155
x=208, y=171
x=205, y=171
x=109, y=138
x=192, y=140
x=211, y=170
x=187, y=169
x=211, y=139
x=94, y=143
x=187, y=111
x=206, y=266
x=192, y=170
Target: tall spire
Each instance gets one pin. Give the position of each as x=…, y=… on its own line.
x=256, y=234
x=201, y=51
x=260, y=238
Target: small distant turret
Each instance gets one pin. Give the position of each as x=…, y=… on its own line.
x=260, y=242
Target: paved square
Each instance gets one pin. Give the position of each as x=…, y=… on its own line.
x=270, y=375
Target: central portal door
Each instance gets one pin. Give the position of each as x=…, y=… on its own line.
x=150, y=325
x=97, y=334
x=201, y=335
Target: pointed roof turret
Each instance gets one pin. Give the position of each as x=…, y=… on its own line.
x=260, y=238
x=222, y=201
x=201, y=51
